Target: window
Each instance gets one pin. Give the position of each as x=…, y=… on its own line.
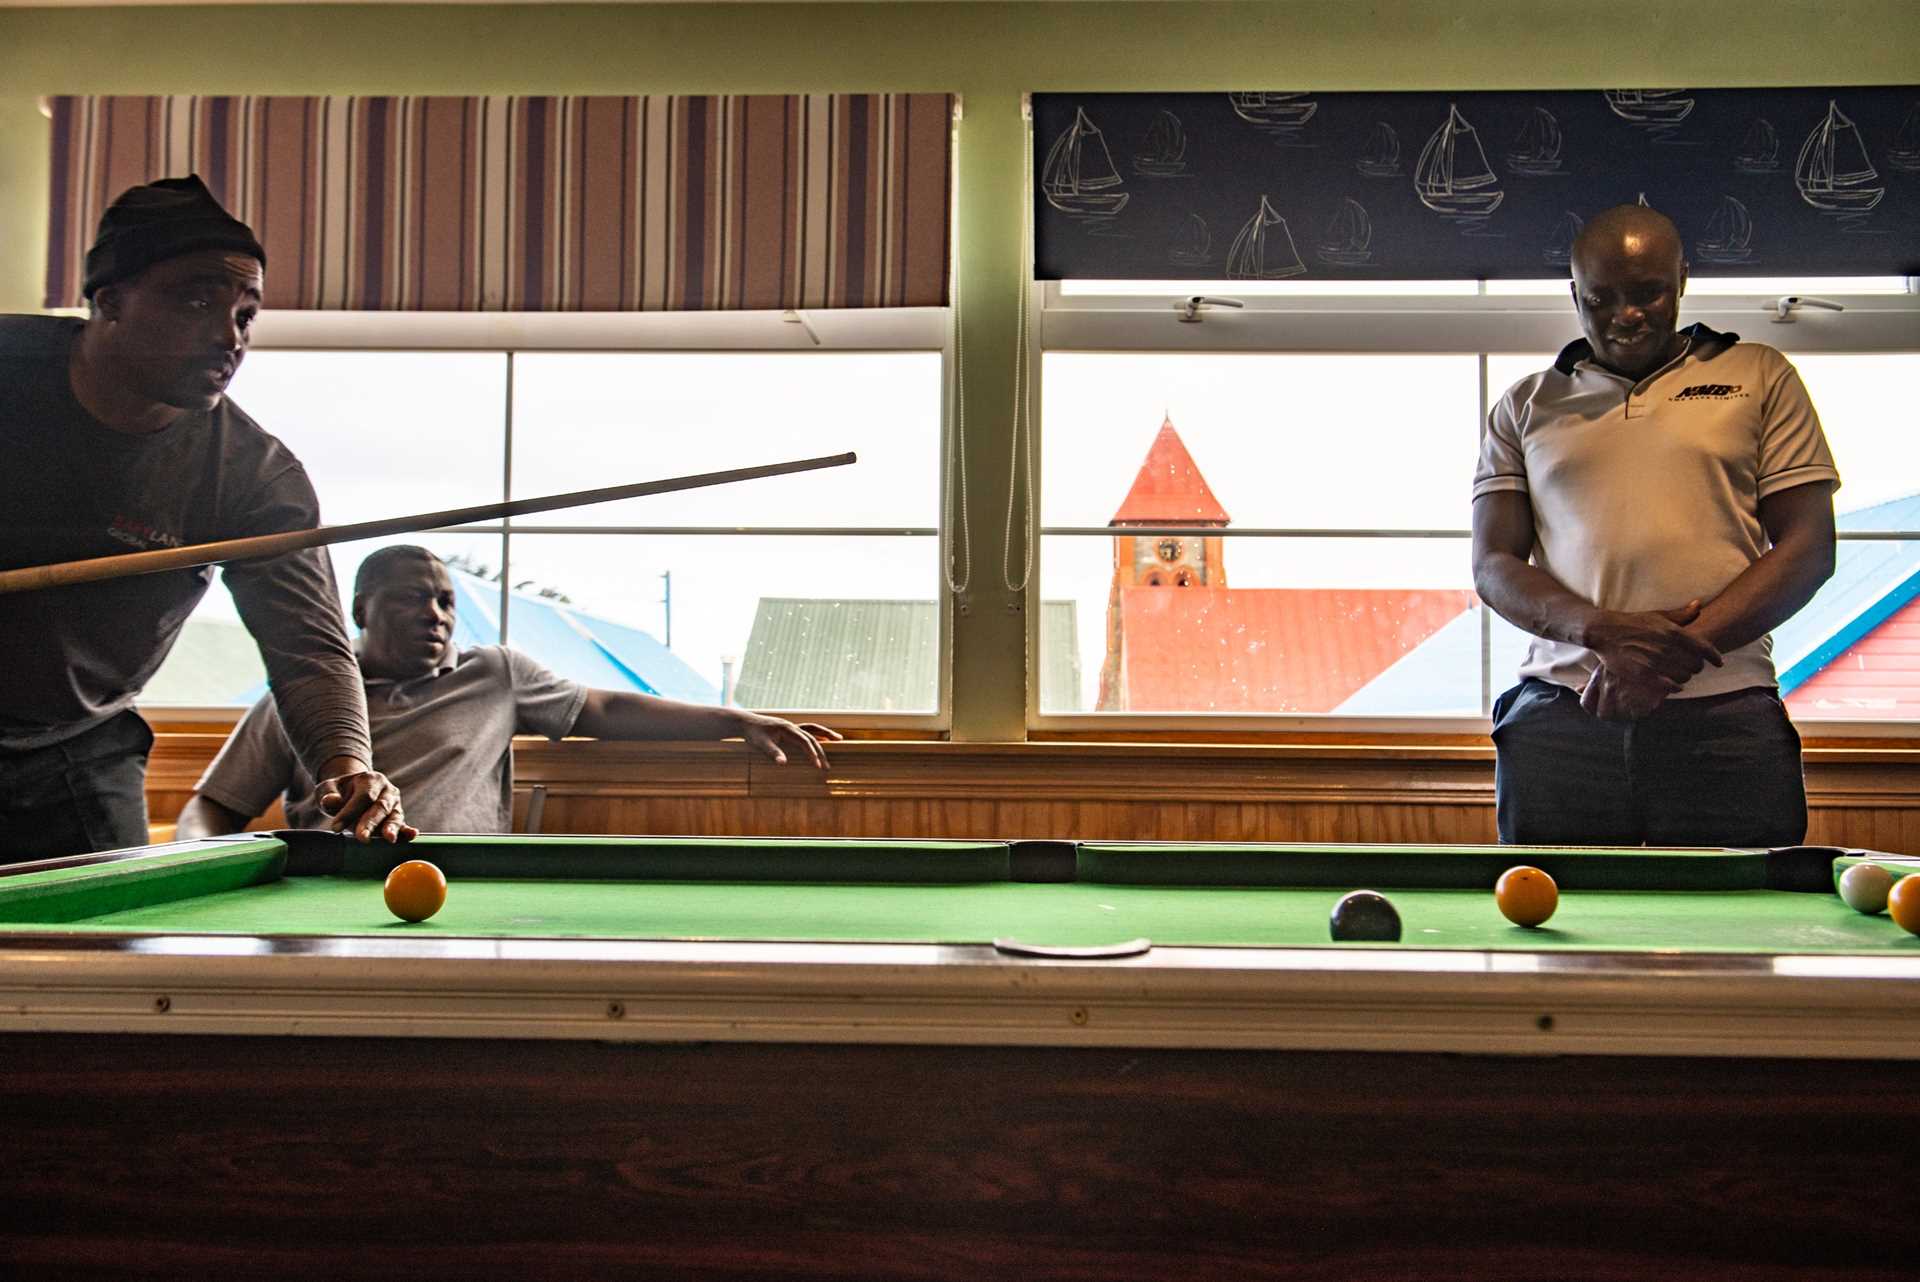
x=818, y=592
x=1302, y=461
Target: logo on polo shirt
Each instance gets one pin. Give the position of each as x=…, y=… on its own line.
x=1710, y=392
x=144, y=535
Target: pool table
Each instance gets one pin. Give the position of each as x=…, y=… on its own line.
x=761, y=1058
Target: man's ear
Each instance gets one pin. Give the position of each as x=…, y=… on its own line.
x=106, y=303
x=360, y=612
x=1685, y=267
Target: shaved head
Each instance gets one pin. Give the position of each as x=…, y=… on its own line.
x=1629, y=271
x=1634, y=230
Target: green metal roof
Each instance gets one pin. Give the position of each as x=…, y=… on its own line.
x=869, y=656
x=215, y=663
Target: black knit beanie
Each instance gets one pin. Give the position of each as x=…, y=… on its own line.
x=162, y=220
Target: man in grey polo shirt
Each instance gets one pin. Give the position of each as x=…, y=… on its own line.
x=1649, y=508
x=443, y=722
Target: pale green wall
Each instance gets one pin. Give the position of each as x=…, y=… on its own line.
x=988, y=53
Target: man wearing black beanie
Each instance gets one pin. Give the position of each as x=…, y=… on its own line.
x=116, y=434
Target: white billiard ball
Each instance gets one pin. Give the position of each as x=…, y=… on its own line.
x=1865, y=887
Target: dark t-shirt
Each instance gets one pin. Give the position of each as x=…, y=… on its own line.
x=70, y=488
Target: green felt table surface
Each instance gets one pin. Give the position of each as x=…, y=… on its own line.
x=1069, y=915
x=1048, y=894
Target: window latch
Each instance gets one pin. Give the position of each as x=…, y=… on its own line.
x=1190, y=308
x=1785, y=305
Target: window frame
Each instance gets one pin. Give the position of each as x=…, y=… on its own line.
x=848, y=331
x=1289, y=319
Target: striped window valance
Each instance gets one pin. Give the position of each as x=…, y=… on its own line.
x=651, y=203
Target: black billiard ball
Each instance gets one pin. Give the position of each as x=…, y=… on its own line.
x=1365, y=917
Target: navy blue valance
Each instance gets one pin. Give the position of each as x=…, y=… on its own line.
x=1481, y=185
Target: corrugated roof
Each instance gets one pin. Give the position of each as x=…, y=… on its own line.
x=1060, y=657
x=1169, y=489
x=582, y=647
x=1840, y=656
x=872, y=655
x=847, y=655
x=1871, y=583
x=1877, y=678
x=214, y=663
x=1269, y=649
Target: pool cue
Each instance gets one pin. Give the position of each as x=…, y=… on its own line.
x=94, y=569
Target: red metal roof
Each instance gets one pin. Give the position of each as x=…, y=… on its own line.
x=1269, y=649
x=1877, y=678
x=1169, y=489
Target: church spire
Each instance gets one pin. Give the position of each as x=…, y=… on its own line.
x=1169, y=489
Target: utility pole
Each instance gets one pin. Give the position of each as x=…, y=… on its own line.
x=666, y=599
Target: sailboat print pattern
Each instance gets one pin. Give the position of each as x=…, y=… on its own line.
x=1904, y=155
x=1453, y=176
x=1559, y=250
x=1760, y=149
x=1274, y=111
x=1833, y=172
x=1193, y=246
x=1079, y=177
x=1800, y=180
x=1381, y=159
x=1349, y=236
x=1536, y=152
x=1264, y=249
x=1164, y=155
x=1729, y=235
x=1650, y=108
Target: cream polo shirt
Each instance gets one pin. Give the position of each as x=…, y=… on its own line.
x=1647, y=495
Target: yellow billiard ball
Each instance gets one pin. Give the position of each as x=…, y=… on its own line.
x=1526, y=896
x=415, y=890
x=1903, y=903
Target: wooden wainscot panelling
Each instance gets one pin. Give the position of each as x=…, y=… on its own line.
x=1376, y=790
x=178, y=759
x=939, y=789
x=1138, y=773
x=1867, y=797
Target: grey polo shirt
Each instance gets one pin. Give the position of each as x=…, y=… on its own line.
x=446, y=740
x=1647, y=495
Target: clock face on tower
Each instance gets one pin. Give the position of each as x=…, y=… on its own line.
x=1169, y=549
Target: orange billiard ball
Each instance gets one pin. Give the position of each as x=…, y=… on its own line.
x=415, y=890
x=1903, y=903
x=1526, y=896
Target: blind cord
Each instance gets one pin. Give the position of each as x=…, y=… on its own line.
x=1020, y=466
x=956, y=496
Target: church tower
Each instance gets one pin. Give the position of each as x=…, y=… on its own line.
x=1168, y=491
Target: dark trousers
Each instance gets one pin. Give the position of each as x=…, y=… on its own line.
x=84, y=794
x=1723, y=770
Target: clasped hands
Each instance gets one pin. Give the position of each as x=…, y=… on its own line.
x=1644, y=658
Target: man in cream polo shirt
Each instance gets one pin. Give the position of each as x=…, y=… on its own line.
x=1649, y=508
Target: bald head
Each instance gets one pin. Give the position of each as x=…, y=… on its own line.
x=1632, y=230
x=1629, y=271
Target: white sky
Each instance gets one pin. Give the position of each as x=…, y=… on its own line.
x=1342, y=441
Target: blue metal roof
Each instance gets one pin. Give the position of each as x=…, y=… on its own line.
x=1871, y=582
x=1441, y=675
x=579, y=646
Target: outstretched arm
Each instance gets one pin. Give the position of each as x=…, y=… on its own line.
x=616, y=714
